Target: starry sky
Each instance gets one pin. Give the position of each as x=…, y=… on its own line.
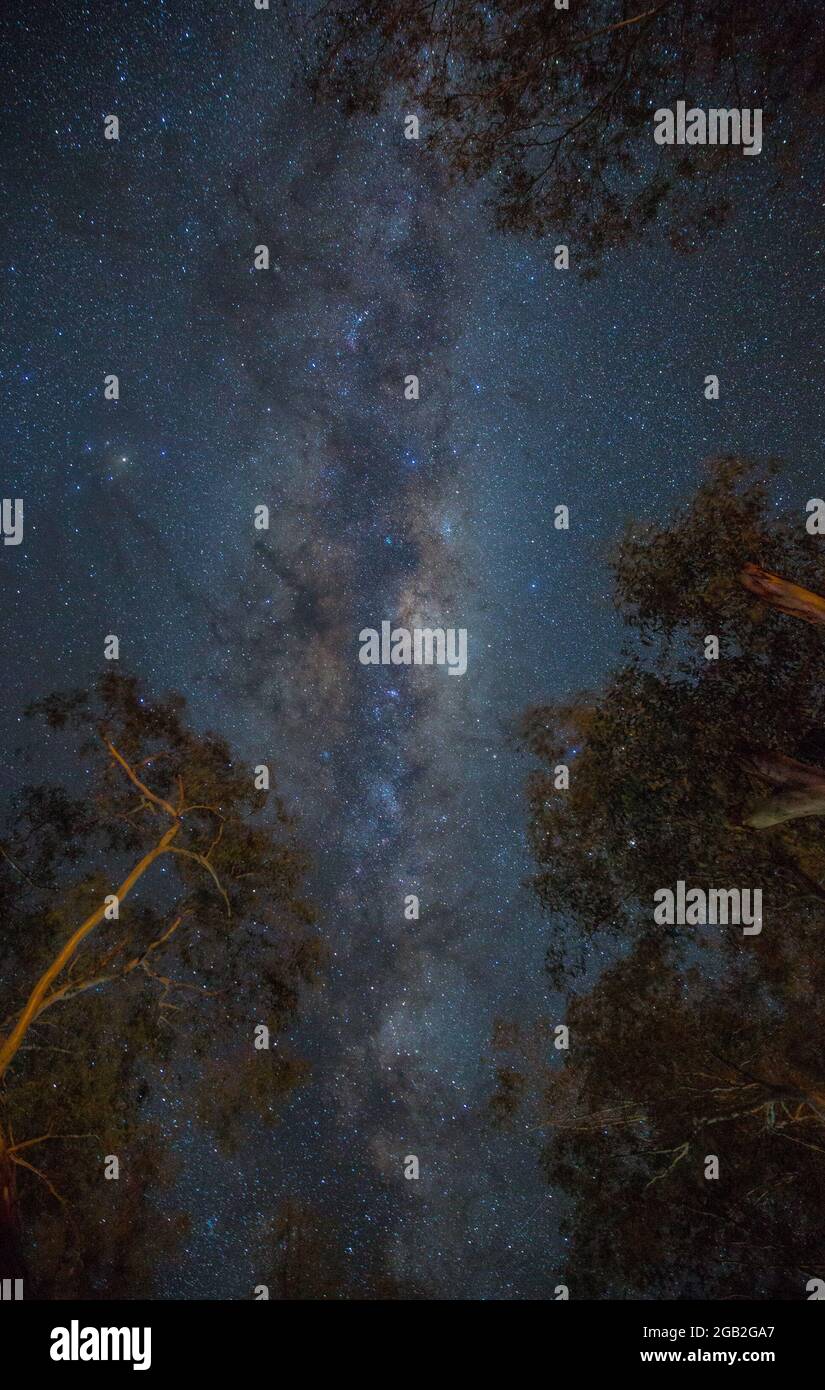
x=240, y=388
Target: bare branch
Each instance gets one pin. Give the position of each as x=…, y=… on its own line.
x=200, y=859
x=141, y=786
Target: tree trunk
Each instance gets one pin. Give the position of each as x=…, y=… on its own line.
x=12, y=1263
x=782, y=594
x=800, y=788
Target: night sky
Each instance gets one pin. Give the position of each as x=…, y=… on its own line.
x=284, y=388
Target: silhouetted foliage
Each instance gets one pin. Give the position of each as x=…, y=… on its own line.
x=694, y=1040
x=553, y=108
x=661, y=777
x=104, y=1019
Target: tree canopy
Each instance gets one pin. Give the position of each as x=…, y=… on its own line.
x=154, y=914
x=665, y=759
x=666, y=1071
x=552, y=108
x=694, y=1041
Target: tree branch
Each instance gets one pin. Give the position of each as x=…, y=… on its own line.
x=11, y=1044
